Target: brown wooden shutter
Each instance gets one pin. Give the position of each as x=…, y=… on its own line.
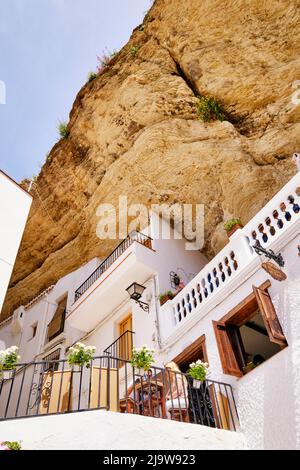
x=56, y=324
x=269, y=315
x=228, y=359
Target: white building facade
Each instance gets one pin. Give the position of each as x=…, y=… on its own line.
x=14, y=210
x=231, y=313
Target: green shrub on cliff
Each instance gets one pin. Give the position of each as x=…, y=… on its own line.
x=209, y=109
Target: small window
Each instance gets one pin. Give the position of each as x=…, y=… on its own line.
x=57, y=324
x=54, y=356
x=249, y=334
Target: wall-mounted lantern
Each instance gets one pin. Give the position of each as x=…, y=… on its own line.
x=135, y=292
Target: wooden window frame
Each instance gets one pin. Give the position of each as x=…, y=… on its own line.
x=230, y=345
x=63, y=300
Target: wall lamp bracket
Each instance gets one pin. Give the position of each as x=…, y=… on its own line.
x=268, y=253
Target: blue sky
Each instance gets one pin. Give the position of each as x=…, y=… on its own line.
x=47, y=48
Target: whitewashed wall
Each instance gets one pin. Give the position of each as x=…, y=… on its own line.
x=268, y=398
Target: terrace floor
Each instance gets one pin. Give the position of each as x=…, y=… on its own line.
x=104, y=430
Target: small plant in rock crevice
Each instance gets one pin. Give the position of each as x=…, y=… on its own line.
x=134, y=50
x=104, y=60
x=209, y=109
x=91, y=76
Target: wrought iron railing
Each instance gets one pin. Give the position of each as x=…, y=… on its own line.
x=121, y=347
x=114, y=255
x=52, y=387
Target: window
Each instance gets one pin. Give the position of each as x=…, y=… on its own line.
x=33, y=331
x=249, y=334
x=53, y=356
x=57, y=324
x=195, y=351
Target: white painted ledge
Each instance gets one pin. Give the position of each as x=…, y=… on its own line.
x=104, y=430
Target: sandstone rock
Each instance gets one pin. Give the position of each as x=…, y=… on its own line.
x=134, y=131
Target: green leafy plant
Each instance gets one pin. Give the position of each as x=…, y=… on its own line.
x=209, y=109
x=11, y=445
x=198, y=370
x=142, y=358
x=81, y=355
x=166, y=296
x=231, y=223
x=9, y=358
x=91, y=76
x=63, y=130
x=134, y=50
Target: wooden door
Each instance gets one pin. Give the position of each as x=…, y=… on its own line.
x=125, y=346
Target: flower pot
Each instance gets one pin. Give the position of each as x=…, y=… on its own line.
x=233, y=230
x=7, y=374
x=164, y=299
x=77, y=367
x=197, y=383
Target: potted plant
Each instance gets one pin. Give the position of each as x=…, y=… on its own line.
x=168, y=295
x=232, y=226
x=142, y=359
x=81, y=355
x=8, y=362
x=198, y=371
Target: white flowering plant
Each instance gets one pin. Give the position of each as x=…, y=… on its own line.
x=198, y=370
x=9, y=358
x=142, y=358
x=81, y=355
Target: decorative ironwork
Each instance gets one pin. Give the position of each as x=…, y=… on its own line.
x=268, y=253
x=40, y=391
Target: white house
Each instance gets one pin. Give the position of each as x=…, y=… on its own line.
x=232, y=313
x=14, y=210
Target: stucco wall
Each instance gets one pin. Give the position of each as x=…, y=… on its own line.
x=109, y=431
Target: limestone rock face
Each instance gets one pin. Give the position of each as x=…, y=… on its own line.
x=134, y=130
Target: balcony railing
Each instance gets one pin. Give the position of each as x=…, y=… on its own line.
x=116, y=253
x=121, y=347
x=52, y=387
